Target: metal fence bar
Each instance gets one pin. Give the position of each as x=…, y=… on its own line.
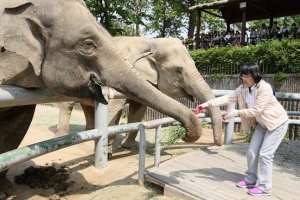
x=101, y=123
x=17, y=96
x=17, y=156
x=142, y=155
x=157, y=146
x=229, y=127
x=12, y=96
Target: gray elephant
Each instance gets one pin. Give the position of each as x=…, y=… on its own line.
x=58, y=44
x=166, y=64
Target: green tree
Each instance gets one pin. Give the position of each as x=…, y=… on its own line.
x=119, y=16
x=288, y=19
x=165, y=18
x=208, y=21
x=173, y=18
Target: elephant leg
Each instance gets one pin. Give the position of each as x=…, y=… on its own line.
x=14, y=123
x=5, y=185
x=115, y=107
x=136, y=114
x=89, y=113
x=65, y=110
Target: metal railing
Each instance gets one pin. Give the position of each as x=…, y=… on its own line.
x=10, y=96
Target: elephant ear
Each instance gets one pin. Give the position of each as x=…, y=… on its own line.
x=23, y=34
x=146, y=66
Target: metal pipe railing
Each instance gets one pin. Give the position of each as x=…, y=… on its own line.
x=17, y=156
x=13, y=96
x=17, y=96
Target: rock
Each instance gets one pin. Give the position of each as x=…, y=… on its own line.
x=54, y=197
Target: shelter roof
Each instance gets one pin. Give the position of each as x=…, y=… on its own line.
x=256, y=9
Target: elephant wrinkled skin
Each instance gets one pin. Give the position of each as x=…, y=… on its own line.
x=166, y=64
x=58, y=44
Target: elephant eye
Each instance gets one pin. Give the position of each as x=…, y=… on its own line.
x=87, y=47
x=90, y=43
x=179, y=71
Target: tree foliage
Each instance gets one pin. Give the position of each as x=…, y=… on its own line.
x=288, y=19
x=161, y=18
x=119, y=17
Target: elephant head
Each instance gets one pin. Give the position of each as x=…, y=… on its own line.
x=166, y=63
x=59, y=44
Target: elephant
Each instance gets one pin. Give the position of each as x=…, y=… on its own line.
x=58, y=44
x=166, y=64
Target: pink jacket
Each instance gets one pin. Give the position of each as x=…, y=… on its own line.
x=266, y=105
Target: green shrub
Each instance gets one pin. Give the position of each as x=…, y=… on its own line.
x=280, y=56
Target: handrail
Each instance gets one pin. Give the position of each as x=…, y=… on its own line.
x=19, y=155
x=12, y=96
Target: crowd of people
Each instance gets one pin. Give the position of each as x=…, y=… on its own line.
x=254, y=35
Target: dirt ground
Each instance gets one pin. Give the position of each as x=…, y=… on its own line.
x=117, y=181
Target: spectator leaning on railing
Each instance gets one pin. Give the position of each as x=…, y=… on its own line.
x=293, y=30
x=275, y=31
x=285, y=30
x=263, y=33
x=298, y=31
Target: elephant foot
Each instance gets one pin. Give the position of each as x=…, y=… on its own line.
x=130, y=144
x=109, y=151
x=5, y=188
x=58, y=134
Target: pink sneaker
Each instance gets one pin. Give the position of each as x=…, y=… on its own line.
x=257, y=192
x=244, y=184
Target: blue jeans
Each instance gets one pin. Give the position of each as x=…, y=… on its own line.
x=260, y=155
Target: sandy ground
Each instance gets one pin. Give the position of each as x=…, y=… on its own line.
x=117, y=181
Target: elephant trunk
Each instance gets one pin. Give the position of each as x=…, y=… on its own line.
x=202, y=91
x=129, y=82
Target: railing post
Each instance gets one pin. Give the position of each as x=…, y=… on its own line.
x=157, y=146
x=142, y=155
x=229, y=127
x=101, y=123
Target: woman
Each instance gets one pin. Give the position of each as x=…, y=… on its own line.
x=258, y=106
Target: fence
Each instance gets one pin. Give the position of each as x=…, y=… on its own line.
x=231, y=82
x=229, y=69
x=9, y=96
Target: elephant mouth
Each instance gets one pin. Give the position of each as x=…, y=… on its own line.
x=95, y=87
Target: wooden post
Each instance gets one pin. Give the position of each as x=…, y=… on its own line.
x=243, y=43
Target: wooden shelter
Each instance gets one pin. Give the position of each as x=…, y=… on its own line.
x=234, y=11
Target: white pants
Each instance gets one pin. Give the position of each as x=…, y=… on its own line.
x=262, y=147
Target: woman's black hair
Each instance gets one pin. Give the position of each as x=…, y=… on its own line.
x=251, y=68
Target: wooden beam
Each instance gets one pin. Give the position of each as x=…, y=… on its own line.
x=212, y=14
x=252, y=4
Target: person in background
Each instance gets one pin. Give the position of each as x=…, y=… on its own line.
x=275, y=31
x=253, y=35
x=237, y=38
x=298, y=31
x=257, y=107
x=228, y=37
x=285, y=30
x=294, y=29
x=263, y=33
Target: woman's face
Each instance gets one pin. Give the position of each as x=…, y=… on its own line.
x=248, y=80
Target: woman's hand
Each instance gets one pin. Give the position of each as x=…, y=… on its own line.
x=201, y=107
x=231, y=114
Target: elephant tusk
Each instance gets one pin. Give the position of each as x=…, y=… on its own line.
x=111, y=93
